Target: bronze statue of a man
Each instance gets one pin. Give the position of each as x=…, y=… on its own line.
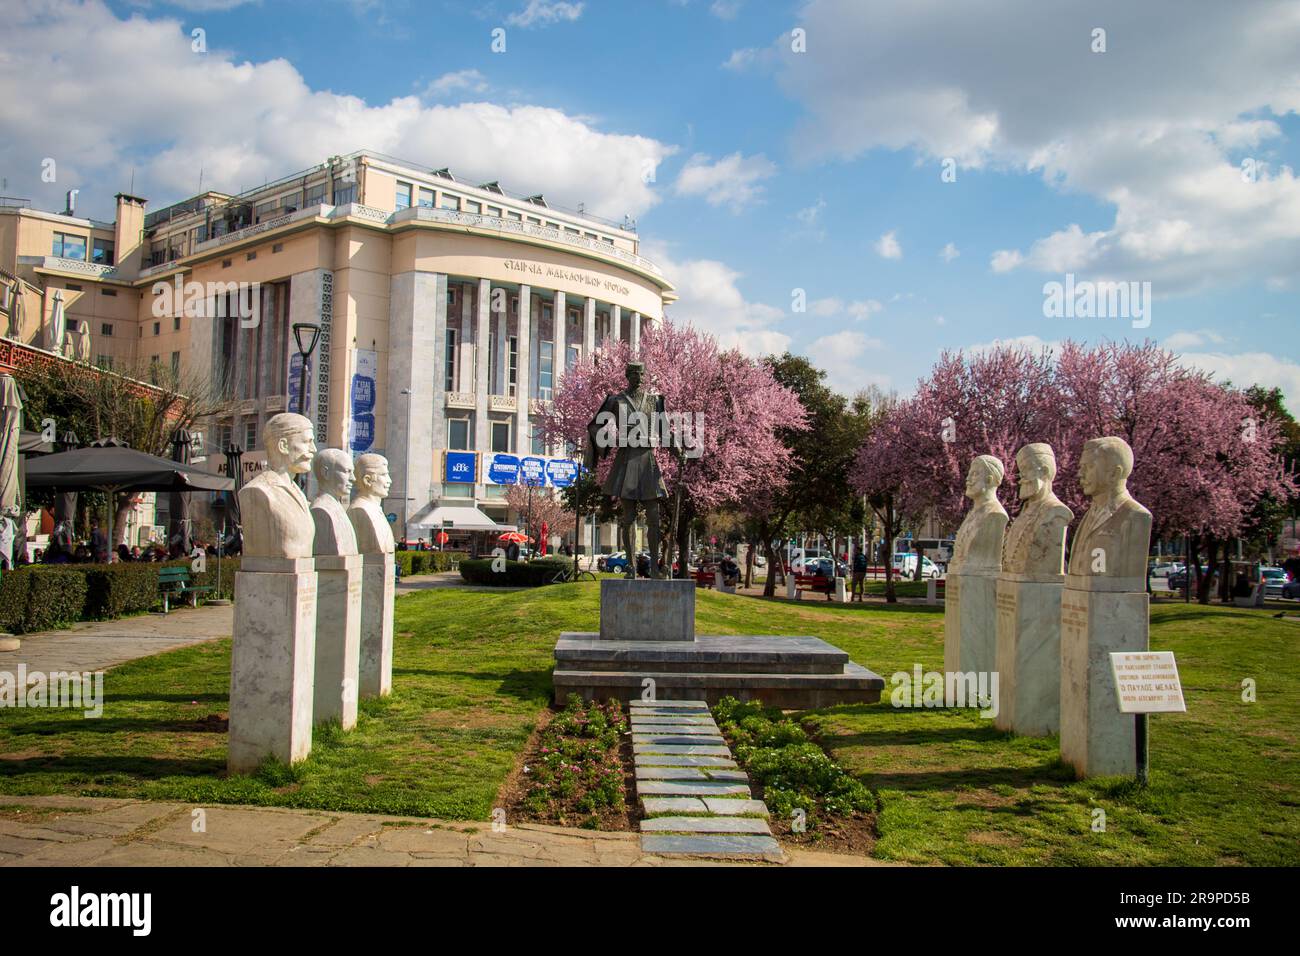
x=631, y=421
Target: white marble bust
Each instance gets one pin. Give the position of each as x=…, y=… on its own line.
x=1035, y=542
x=334, y=535
x=276, y=520
x=978, y=547
x=1114, y=536
x=374, y=536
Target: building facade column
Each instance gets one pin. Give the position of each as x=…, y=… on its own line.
x=616, y=323
x=482, y=432
x=413, y=332
x=561, y=313
x=589, y=328
x=636, y=333
x=523, y=436
x=467, y=377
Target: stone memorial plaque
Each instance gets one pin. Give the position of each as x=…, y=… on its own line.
x=1146, y=682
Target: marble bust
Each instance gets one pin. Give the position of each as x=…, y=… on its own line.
x=1035, y=542
x=1114, y=537
x=978, y=548
x=374, y=536
x=276, y=519
x=332, y=469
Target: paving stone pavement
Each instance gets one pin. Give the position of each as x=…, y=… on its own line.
x=98, y=831
x=694, y=810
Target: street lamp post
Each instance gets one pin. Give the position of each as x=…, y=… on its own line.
x=305, y=335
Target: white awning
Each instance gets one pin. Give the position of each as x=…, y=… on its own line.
x=464, y=518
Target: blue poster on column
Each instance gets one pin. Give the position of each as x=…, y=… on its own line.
x=362, y=398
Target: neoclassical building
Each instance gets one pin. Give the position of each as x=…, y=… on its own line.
x=446, y=312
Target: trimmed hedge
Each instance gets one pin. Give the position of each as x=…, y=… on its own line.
x=41, y=598
x=427, y=562
x=517, y=574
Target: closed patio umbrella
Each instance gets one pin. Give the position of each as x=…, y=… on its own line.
x=179, y=505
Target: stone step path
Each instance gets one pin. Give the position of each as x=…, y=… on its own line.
x=696, y=800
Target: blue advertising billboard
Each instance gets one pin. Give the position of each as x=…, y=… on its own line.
x=461, y=467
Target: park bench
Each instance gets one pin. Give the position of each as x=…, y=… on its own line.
x=173, y=581
x=814, y=582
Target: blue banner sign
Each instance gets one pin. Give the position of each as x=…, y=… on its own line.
x=562, y=472
x=503, y=469
x=461, y=467
x=533, y=471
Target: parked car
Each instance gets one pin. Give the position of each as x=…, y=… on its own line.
x=1178, y=579
x=799, y=556
x=1162, y=569
x=1275, y=580
x=613, y=563
x=760, y=561
x=826, y=566
x=905, y=566
x=1291, y=590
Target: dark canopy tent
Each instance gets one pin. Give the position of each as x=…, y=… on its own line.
x=114, y=468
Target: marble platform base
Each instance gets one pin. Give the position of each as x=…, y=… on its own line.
x=970, y=623
x=1028, y=658
x=1096, y=739
x=377, y=594
x=272, y=665
x=646, y=609
x=338, y=639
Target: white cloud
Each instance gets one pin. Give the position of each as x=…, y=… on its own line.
x=711, y=300
x=1032, y=342
x=470, y=81
x=887, y=246
x=1013, y=84
x=1192, y=340
x=244, y=123
x=747, y=58
x=859, y=309
x=809, y=215
x=543, y=14
x=732, y=181
x=845, y=356
x=1004, y=260
x=949, y=252
x=725, y=9
x=1251, y=368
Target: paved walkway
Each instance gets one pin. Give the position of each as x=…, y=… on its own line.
x=99, y=645
x=92, y=831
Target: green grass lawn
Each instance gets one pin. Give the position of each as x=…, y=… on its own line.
x=472, y=674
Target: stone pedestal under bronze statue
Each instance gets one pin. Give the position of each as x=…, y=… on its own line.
x=647, y=643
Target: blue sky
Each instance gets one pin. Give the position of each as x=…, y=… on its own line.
x=775, y=170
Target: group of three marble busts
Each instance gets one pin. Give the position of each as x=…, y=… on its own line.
x=313, y=597
x=1014, y=609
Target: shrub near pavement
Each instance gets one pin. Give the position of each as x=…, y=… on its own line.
x=38, y=599
x=795, y=772
x=427, y=562
x=517, y=574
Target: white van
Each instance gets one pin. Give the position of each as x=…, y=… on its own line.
x=905, y=566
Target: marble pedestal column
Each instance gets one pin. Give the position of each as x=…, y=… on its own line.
x=1096, y=739
x=272, y=662
x=338, y=639
x=377, y=594
x=969, y=622
x=1028, y=657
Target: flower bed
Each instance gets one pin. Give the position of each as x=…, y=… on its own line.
x=577, y=770
x=811, y=798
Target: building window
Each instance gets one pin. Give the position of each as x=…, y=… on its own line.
x=451, y=295
x=225, y=436
x=176, y=364
x=474, y=207
x=314, y=196
x=344, y=192
x=102, y=251
x=176, y=323
x=403, y=195
x=494, y=211
x=574, y=351
x=68, y=246
x=459, y=436
x=532, y=220
x=290, y=202
x=426, y=197
x=157, y=328
x=512, y=382
x=263, y=209
x=106, y=328
x=448, y=201
x=450, y=377
x=539, y=446
x=250, y=432
x=108, y=292
x=278, y=247
x=501, y=436
x=510, y=214
x=457, y=490
x=545, y=370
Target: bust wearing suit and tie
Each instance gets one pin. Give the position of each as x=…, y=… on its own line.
x=1035, y=542
x=276, y=519
x=978, y=546
x=1113, y=539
